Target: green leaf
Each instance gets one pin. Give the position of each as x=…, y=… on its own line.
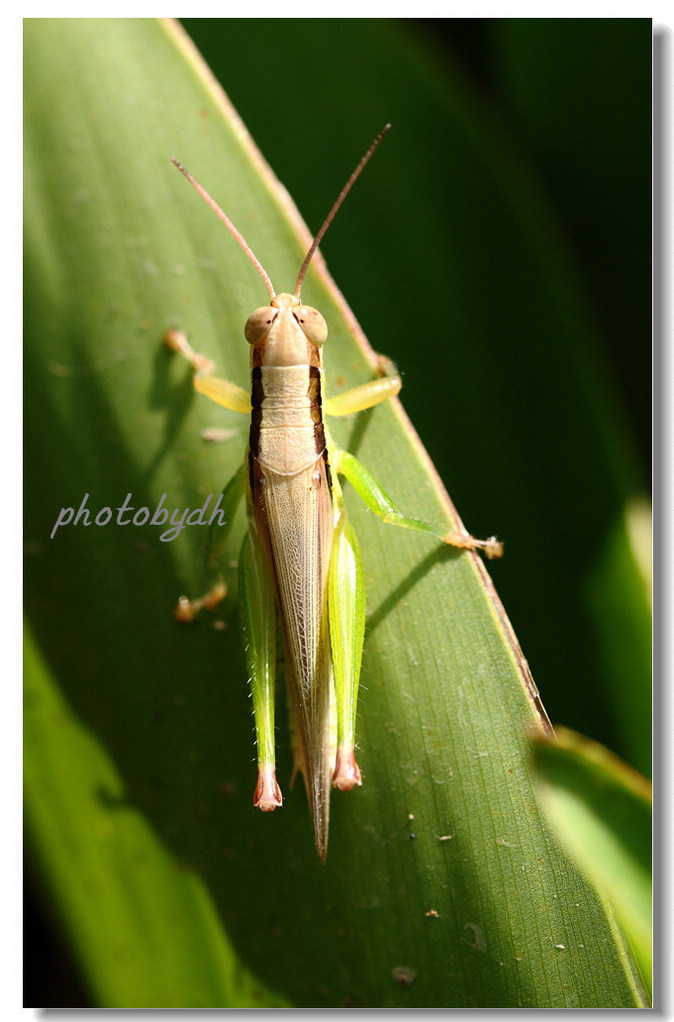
x=135, y=912
x=443, y=885
x=601, y=810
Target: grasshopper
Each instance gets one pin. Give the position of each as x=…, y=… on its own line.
x=300, y=566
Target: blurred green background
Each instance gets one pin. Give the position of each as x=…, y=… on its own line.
x=531, y=392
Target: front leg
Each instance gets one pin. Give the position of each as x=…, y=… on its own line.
x=224, y=393
x=386, y=386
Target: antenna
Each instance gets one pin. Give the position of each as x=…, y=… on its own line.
x=331, y=215
x=228, y=223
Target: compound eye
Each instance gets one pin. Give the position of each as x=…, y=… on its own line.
x=314, y=327
x=259, y=323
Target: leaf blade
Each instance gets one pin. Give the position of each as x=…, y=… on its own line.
x=121, y=418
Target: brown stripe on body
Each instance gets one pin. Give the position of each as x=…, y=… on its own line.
x=316, y=396
x=256, y=398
